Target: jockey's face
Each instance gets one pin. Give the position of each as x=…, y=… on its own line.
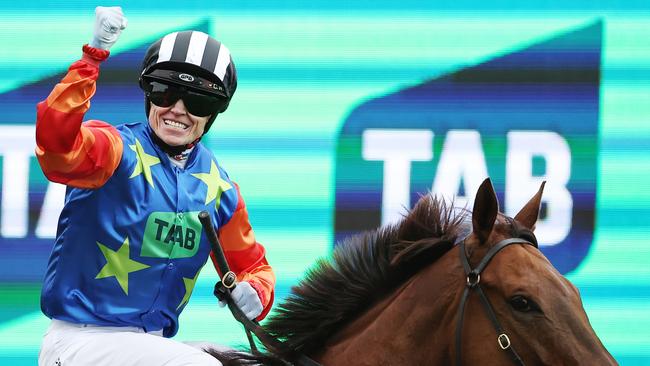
x=175, y=125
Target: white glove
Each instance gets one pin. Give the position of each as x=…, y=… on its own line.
x=247, y=299
x=109, y=23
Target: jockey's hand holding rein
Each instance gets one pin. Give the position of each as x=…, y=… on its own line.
x=109, y=24
x=247, y=299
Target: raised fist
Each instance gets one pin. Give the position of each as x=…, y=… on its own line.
x=109, y=23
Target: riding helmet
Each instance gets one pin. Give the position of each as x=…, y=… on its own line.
x=193, y=60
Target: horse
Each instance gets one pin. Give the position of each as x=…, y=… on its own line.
x=423, y=292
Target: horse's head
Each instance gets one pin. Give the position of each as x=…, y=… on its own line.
x=539, y=310
x=404, y=295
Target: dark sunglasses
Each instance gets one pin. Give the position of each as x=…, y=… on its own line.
x=166, y=95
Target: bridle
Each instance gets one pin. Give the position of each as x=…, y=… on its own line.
x=473, y=283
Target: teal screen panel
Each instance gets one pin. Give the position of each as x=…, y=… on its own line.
x=312, y=78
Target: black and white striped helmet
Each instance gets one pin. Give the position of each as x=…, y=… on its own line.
x=193, y=53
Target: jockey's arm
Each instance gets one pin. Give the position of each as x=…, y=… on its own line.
x=69, y=152
x=246, y=257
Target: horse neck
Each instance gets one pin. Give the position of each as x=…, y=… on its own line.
x=414, y=325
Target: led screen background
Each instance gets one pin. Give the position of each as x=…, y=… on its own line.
x=303, y=69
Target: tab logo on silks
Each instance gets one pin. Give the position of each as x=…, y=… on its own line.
x=521, y=118
x=171, y=235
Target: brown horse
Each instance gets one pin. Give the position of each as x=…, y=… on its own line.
x=421, y=293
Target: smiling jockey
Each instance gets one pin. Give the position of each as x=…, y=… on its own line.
x=129, y=246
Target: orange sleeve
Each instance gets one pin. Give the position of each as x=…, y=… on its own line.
x=69, y=152
x=245, y=256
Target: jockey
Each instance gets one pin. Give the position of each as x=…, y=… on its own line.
x=129, y=245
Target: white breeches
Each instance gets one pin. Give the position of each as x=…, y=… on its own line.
x=69, y=344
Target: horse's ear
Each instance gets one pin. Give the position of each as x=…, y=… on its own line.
x=529, y=214
x=485, y=210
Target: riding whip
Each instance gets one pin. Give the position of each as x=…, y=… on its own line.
x=228, y=277
x=222, y=291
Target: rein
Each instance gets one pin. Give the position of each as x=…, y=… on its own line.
x=222, y=290
x=473, y=283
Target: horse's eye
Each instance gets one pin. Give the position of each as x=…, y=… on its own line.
x=523, y=304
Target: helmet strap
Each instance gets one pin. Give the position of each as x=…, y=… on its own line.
x=208, y=124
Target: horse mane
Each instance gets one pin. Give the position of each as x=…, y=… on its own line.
x=362, y=270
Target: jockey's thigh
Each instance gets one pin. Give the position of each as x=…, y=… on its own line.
x=104, y=346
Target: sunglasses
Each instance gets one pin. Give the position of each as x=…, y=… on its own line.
x=166, y=95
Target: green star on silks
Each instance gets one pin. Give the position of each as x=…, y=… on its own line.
x=189, y=287
x=119, y=265
x=216, y=184
x=144, y=163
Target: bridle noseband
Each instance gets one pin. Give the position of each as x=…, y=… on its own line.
x=473, y=282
